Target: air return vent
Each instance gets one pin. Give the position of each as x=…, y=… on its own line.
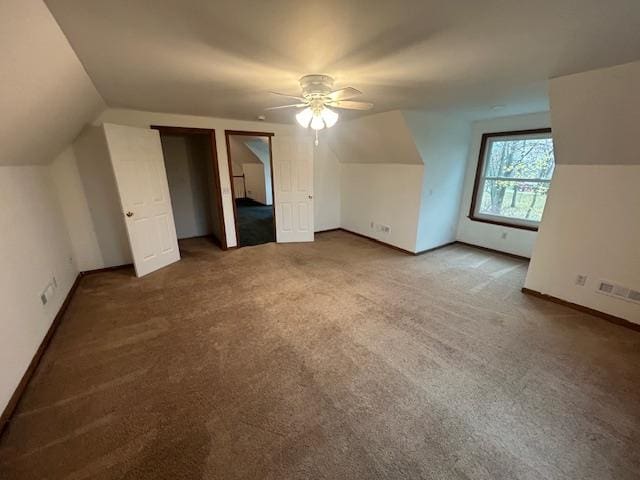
x=634, y=296
x=606, y=288
x=618, y=291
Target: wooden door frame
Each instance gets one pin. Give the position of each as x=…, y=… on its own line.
x=217, y=183
x=269, y=135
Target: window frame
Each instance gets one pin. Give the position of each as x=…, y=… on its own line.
x=493, y=219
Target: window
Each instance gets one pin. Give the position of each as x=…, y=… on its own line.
x=513, y=177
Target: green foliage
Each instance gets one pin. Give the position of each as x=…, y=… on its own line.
x=512, y=168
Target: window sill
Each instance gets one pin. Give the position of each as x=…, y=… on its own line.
x=503, y=223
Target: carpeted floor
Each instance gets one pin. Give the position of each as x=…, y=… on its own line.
x=255, y=222
x=341, y=359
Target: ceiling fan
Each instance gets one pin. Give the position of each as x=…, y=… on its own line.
x=317, y=96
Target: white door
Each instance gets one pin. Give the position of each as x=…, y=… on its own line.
x=293, y=182
x=138, y=165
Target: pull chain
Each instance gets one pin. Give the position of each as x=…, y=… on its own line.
x=316, y=142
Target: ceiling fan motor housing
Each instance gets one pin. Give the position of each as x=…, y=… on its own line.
x=316, y=86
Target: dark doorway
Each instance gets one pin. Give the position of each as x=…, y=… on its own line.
x=255, y=222
x=250, y=165
x=191, y=165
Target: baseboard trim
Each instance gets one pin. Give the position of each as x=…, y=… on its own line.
x=581, y=308
x=106, y=269
x=380, y=242
x=5, y=418
x=208, y=236
x=422, y=252
x=487, y=249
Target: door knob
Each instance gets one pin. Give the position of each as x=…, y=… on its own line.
x=129, y=214
x=310, y=197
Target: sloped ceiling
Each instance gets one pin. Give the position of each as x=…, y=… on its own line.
x=45, y=94
x=596, y=117
x=381, y=138
x=259, y=148
x=240, y=152
x=220, y=58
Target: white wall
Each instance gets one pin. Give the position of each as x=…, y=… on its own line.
x=326, y=188
x=255, y=182
x=260, y=148
x=386, y=194
x=34, y=247
x=100, y=192
x=591, y=227
x=379, y=138
x=185, y=159
x=404, y=170
x=46, y=95
x=145, y=119
x=250, y=157
x=240, y=155
x=591, y=224
x=239, y=186
x=408, y=174
x=89, y=198
x=517, y=241
x=96, y=172
x=443, y=143
x=380, y=177
x=75, y=209
x=596, y=115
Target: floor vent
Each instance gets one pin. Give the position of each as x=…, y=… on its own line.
x=618, y=291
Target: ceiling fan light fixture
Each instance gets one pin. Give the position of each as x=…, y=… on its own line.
x=317, y=94
x=329, y=116
x=304, y=117
x=317, y=123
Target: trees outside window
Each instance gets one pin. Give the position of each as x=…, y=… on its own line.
x=513, y=178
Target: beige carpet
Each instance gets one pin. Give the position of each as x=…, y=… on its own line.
x=340, y=359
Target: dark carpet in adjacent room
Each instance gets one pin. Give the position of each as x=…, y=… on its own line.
x=338, y=359
x=255, y=222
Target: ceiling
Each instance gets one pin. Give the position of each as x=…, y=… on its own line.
x=45, y=95
x=220, y=58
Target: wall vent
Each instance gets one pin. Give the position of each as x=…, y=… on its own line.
x=634, y=296
x=618, y=291
x=606, y=288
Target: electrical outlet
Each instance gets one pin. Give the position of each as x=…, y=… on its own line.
x=581, y=280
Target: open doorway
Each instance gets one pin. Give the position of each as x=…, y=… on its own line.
x=250, y=165
x=194, y=185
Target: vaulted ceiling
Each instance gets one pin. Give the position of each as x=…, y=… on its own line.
x=45, y=94
x=221, y=58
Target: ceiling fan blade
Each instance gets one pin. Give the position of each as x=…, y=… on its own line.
x=344, y=93
x=288, y=96
x=293, y=105
x=351, y=105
